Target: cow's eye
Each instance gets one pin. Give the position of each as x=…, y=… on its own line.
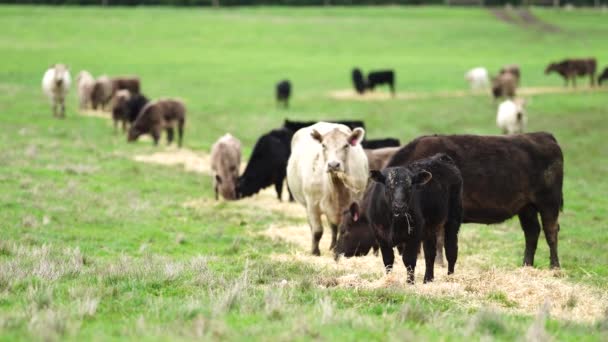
x=324, y=147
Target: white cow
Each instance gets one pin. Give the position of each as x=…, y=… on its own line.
x=85, y=82
x=478, y=78
x=511, y=117
x=326, y=172
x=55, y=84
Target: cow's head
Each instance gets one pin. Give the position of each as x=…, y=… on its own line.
x=133, y=134
x=352, y=229
x=399, y=184
x=336, y=145
x=60, y=73
x=226, y=179
x=551, y=67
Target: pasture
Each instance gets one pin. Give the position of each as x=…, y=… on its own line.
x=99, y=243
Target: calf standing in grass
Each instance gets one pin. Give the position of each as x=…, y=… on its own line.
x=570, y=69
x=478, y=78
x=375, y=78
x=283, y=92
x=56, y=84
x=268, y=164
x=102, y=92
x=410, y=204
x=85, y=83
x=158, y=115
x=225, y=164
x=326, y=172
x=511, y=117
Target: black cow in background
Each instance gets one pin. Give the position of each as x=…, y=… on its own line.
x=296, y=125
x=375, y=78
x=267, y=164
x=283, y=92
x=603, y=76
x=358, y=80
x=373, y=144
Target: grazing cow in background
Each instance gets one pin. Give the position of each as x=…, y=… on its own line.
x=603, y=76
x=375, y=78
x=504, y=85
x=409, y=204
x=85, y=83
x=134, y=106
x=378, y=158
x=130, y=83
x=119, y=109
x=158, y=115
x=355, y=237
x=102, y=92
x=570, y=69
x=326, y=172
x=511, y=117
x=225, y=164
x=512, y=69
x=267, y=164
x=297, y=125
x=55, y=85
x=478, y=78
x=373, y=144
x=504, y=176
x=283, y=92
x=358, y=81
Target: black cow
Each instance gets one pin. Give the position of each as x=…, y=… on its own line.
x=283, y=92
x=355, y=236
x=373, y=144
x=409, y=204
x=358, y=80
x=503, y=176
x=296, y=125
x=375, y=78
x=267, y=164
x=603, y=76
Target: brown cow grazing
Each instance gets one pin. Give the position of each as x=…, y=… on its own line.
x=570, y=69
x=102, y=92
x=603, y=76
x=504, y=176
x=225, y=164
x=504, y=85
x=129, y=83
x=119, y=109
x=513, y=69
x=159, y=115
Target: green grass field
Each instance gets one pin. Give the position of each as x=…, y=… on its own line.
x=97, y=246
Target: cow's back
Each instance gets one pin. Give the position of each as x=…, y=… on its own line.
x=501, y=173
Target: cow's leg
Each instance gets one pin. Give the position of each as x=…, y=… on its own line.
x=574, y=81
x=592, y=76
x=180, y=133
x=217, y=197
x=334, y=235
x=388, y=255
x=124, y=125
x=430, y=252
x=392, y=85
x=155, y=135
x=62, y=106
x=528, y=218
x=451, y=246
x=291, y=199
x=169, y=135
x=115, y=125
x=278, y=186
x=409, y=257
x=54, y=108
x=440, y=242
x=549, y=217
x=316, y=226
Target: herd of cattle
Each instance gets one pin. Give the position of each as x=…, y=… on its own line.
x=375, y=194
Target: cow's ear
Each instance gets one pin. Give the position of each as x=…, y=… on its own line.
x=316, y=135
x=377, y=176
x=354, y=211
x=422, y=177
x=356, y=136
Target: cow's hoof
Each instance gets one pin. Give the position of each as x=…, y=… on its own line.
x=316, y=252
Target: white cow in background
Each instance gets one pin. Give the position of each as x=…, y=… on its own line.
x=511, y=116
x=478, y=78
x=56, y=84
x=326, y=172
x=84, y=83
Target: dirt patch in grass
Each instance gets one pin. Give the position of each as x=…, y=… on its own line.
x=351, y=95
x=521, y=290
x=191, y=161
x=96, y=114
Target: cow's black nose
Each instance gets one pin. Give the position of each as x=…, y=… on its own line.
x=333, y=165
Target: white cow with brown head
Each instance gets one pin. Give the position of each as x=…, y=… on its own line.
x=326, y=172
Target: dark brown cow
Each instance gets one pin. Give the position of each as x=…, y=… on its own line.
x=131, y=84
x=504, y=176
x=603, y=76
x=570, y=69
x=159, y=115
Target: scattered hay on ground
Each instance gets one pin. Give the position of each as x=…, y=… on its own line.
x=96, y=114
x=519, y=290
x=351, y=95
x=172, y=156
